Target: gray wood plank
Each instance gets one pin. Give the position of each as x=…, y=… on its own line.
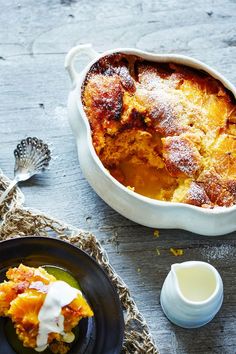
x=34, y=39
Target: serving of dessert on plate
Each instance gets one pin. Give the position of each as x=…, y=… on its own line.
x=43, y=310
x=56, y=299
x=164, y=130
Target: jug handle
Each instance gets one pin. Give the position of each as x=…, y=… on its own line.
x=71, y=56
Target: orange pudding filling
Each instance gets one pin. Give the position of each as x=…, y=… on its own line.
x=164, y=130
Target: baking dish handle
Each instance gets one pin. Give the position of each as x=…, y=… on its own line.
x=71, y=56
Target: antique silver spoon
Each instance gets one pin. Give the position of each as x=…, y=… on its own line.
x=32, y=156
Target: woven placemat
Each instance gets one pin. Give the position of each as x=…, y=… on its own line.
x=17, y=221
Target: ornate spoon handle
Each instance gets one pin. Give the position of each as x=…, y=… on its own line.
x=7, y=191
x=31, y=156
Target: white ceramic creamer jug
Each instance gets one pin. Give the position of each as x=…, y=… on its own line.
x=192, y=294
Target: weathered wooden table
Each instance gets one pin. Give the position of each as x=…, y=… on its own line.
x=34, y=38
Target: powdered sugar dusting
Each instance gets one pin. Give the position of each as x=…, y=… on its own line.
x=197, y=195
x=218, y=252
x=180, y=156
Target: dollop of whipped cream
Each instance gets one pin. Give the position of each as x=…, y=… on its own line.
x=59, y=294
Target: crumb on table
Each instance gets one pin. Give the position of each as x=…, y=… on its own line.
x=156, y=233
x=177, y=251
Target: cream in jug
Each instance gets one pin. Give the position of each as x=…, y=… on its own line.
x=192, y=294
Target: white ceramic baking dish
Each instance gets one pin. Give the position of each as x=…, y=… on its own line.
x=143, y=210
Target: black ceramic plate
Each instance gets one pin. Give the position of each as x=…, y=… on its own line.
x=101, y=335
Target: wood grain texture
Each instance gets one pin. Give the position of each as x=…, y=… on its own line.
x=34, y=38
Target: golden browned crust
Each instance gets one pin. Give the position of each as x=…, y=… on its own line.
x=164, y=130
x=181, y=156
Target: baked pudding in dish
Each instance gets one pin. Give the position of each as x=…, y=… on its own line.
x=164, y=130
x=44, y=310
